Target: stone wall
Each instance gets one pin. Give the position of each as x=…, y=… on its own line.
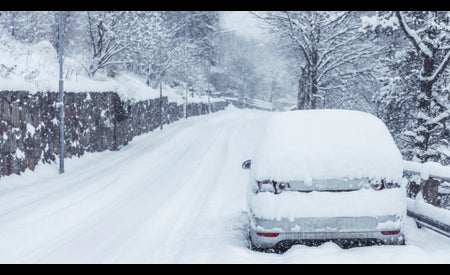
x=95, y=122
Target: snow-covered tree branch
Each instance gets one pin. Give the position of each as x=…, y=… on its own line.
x=326, y=45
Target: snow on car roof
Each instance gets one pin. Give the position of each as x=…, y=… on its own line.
x=324, y=144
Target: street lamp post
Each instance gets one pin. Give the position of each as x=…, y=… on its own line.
x=209, y=88
x=209, y=101
x=186, y=102
x=160, y=106
x=61, y=94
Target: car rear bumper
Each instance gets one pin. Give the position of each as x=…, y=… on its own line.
x=336, y=228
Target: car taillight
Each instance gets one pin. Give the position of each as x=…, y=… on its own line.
x=280, y=186
x=271, y=235
x=272, y=186
x=376, y=185
x=391, y=232
x=380, y=185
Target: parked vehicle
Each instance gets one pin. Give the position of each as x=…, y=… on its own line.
x=325, y=175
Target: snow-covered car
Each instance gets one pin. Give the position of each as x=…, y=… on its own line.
x=325, y=175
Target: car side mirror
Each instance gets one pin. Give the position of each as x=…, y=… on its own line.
x=247, y=164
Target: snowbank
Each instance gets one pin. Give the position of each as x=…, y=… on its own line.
x=323, y=144
x=35, y=68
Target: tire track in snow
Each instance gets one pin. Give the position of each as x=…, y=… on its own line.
x=222, y=220
x=133, y=202
x=50, y=212
x=160, y=237
x=73, y=180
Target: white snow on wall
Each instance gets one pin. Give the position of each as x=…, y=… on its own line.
x=35, y=68
x=30, y=129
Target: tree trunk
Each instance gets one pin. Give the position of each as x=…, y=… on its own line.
x=13, y=24
x=426, y=88
x=313, y=81
x=314, y=90
x=302, y=96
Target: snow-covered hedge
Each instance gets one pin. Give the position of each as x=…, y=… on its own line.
x=95, y=122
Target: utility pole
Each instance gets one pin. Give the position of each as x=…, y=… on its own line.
x=160, y=106
x=186, y=102
x=209, y=100
x=209, y=88
x=61, y=94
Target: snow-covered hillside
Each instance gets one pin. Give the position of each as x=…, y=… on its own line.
x=35, y=67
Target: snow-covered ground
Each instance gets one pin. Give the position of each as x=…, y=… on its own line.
x=171, y=196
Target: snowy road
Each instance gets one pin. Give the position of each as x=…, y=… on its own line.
x=172, y=196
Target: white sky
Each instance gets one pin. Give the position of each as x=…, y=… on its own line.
x=243, y=23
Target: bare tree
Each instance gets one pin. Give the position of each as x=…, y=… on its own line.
x=429, y=34
x=329, y=49
x=104, y=41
